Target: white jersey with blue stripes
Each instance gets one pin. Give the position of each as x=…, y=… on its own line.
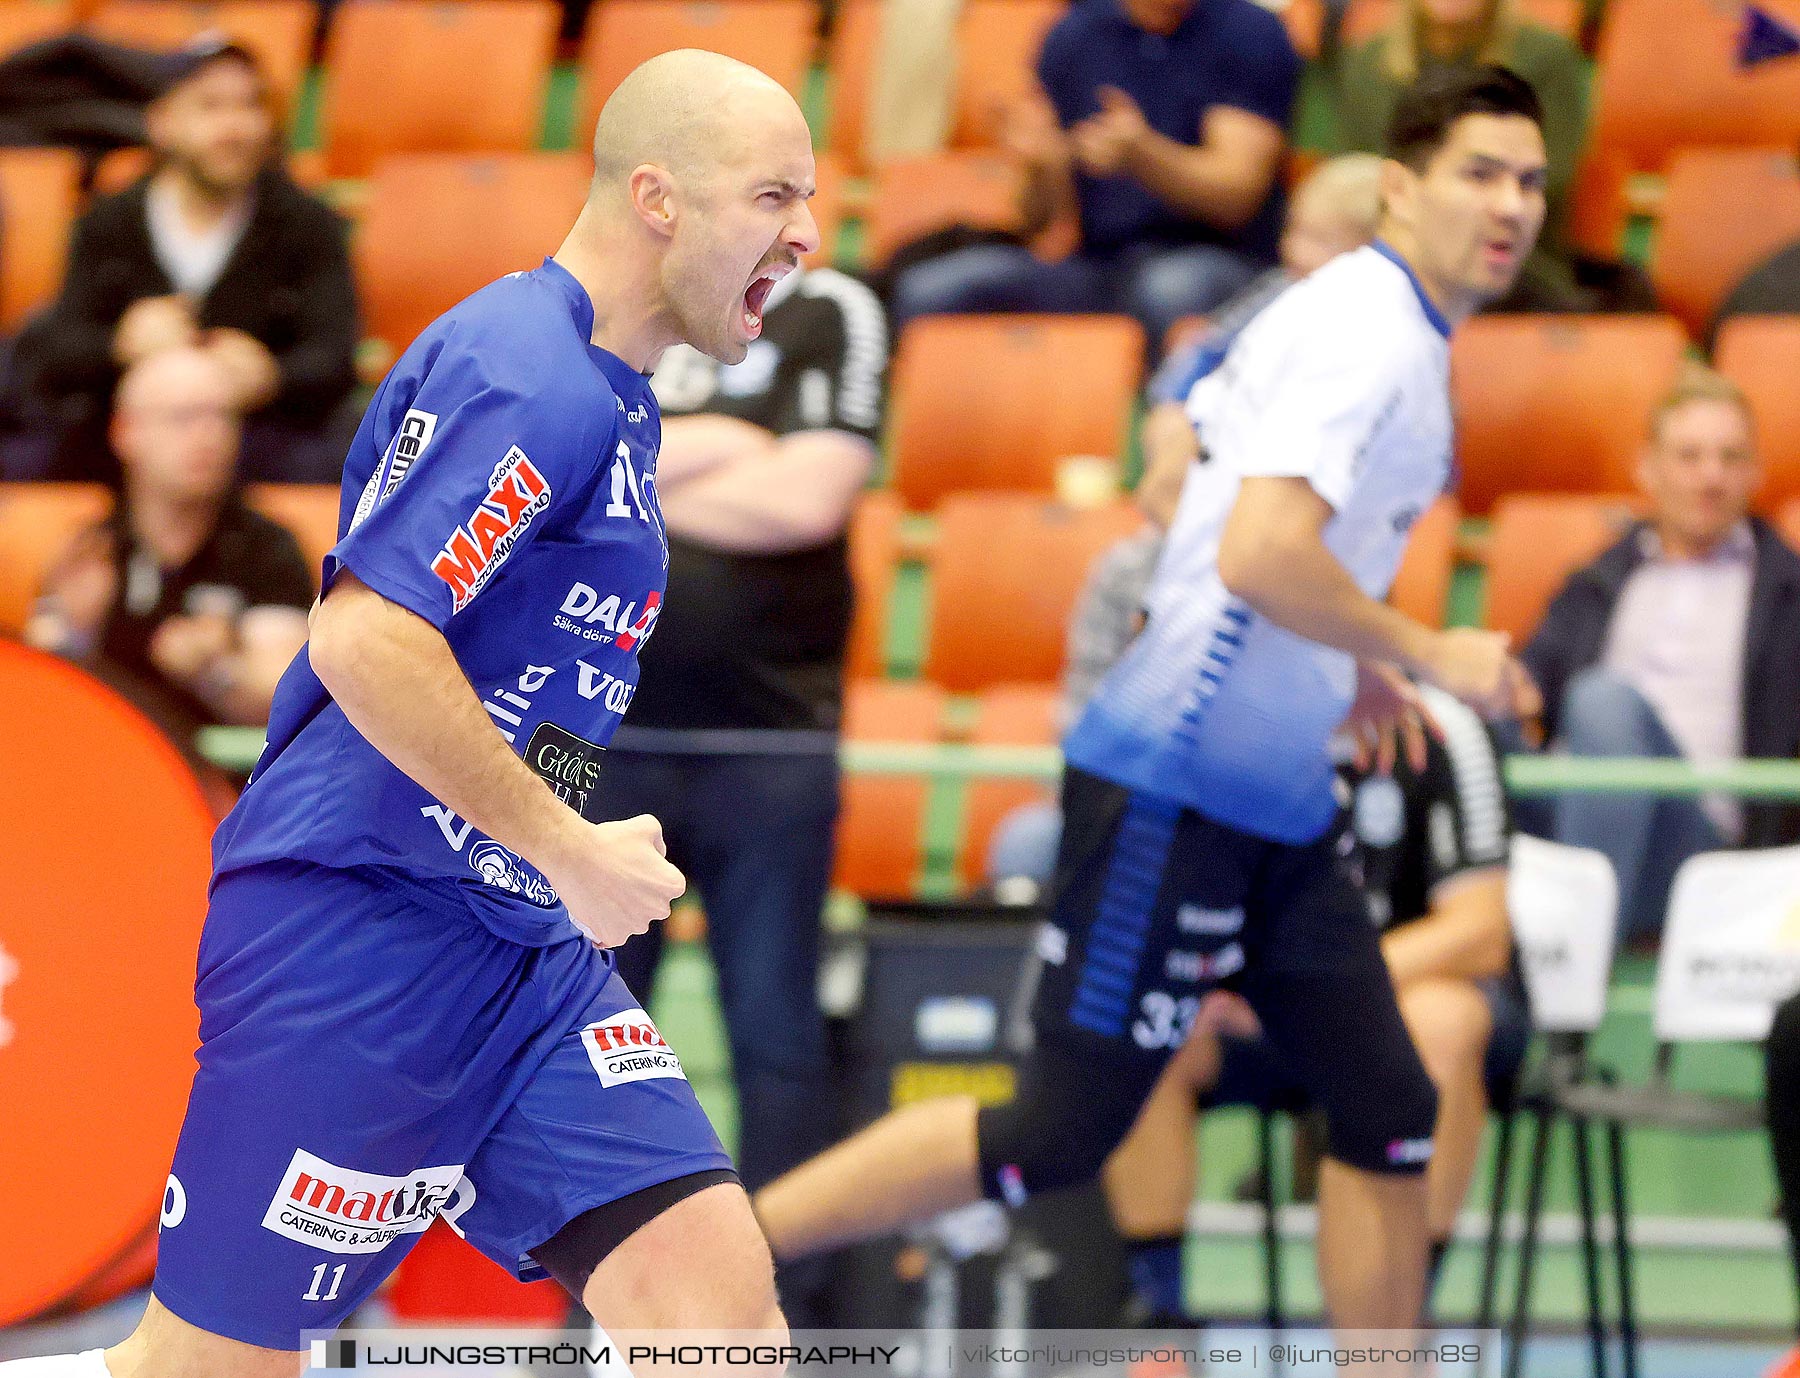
x=1344, y=382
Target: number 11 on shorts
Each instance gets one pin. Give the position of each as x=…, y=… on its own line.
x=318, y=1278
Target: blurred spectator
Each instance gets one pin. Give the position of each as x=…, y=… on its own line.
x=1162, y=130
x=1682, y=640
x=196, y=601
x=912, y=84
x=1429, y=35
x=733, y=733
x=1335, y=209
x=1772, y=288
x=216, y=249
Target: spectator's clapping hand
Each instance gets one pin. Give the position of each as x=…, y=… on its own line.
x=254, y=373
x=185, y=646
x=151, y=325
x=77, y=595
x=1105, y=142
x=1029, y=131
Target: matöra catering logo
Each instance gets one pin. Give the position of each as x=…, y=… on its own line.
x=343, y=1211
x=626, y=1047
x=517, y=492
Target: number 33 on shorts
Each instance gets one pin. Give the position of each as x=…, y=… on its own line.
x=1164, y=1020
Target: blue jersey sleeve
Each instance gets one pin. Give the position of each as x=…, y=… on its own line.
x=469, y=465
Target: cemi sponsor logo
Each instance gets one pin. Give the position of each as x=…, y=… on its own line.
x=416, y=429
x=517, y=492
x=343, y=1211
x=626, y=1047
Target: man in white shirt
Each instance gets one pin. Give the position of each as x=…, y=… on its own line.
x=1682, y=640
x=1198, y=795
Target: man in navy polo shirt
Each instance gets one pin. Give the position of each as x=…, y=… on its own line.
x=1163, y=132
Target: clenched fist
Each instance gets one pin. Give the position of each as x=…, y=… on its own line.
x=617, y=880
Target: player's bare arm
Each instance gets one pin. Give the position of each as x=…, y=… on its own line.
x=1273, y=556
x=399, y=684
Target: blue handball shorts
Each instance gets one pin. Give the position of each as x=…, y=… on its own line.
x=372, y=1059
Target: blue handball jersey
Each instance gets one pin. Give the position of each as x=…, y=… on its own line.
x=502, y=487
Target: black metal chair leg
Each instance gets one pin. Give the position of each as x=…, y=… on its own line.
x=1628, y=1334
x=1497, y=1197
x=1534, y=1202
x=1590, y=1245
x=1265, y=1143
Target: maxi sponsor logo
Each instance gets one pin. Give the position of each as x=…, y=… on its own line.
x=626, y=1047
x=343, y=1211
x=517, y=492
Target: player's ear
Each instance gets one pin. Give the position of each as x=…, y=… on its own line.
x=652, y=192
x=1399, y=189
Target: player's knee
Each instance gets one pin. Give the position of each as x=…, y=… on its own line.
x=1450, y=1025
x=1384, y=1123
x=1071, y=1111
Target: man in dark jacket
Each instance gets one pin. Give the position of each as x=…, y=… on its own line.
x=1681, y=640
x=215, y=249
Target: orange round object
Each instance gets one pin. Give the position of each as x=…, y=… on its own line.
x=108, y=836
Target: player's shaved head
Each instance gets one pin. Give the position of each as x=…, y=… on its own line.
x=702, y=169
x=688, y=111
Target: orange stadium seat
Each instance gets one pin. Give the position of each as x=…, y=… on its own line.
x=880, y=830
x=1005, y=574
x=278, y=32
x=982, y=402
x=1668, y=78
x=1761, y=354
x=26, y=21
x=914, y=196
x=774, y=36
x=37, y=522
x=40, y=192
x=419, y=76
x=1723, y=212
x=1009, y=715
x=997, y=44
x=1556, y=404
x=874, y=560
x=489, y=216
x=1422, y=586
x=1537, y=541
x=308, y=510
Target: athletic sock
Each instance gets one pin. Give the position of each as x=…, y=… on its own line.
x=88, y=1364
x=1155, y=1270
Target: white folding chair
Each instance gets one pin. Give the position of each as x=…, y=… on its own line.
x=1730, y=954
x=1564, y=906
